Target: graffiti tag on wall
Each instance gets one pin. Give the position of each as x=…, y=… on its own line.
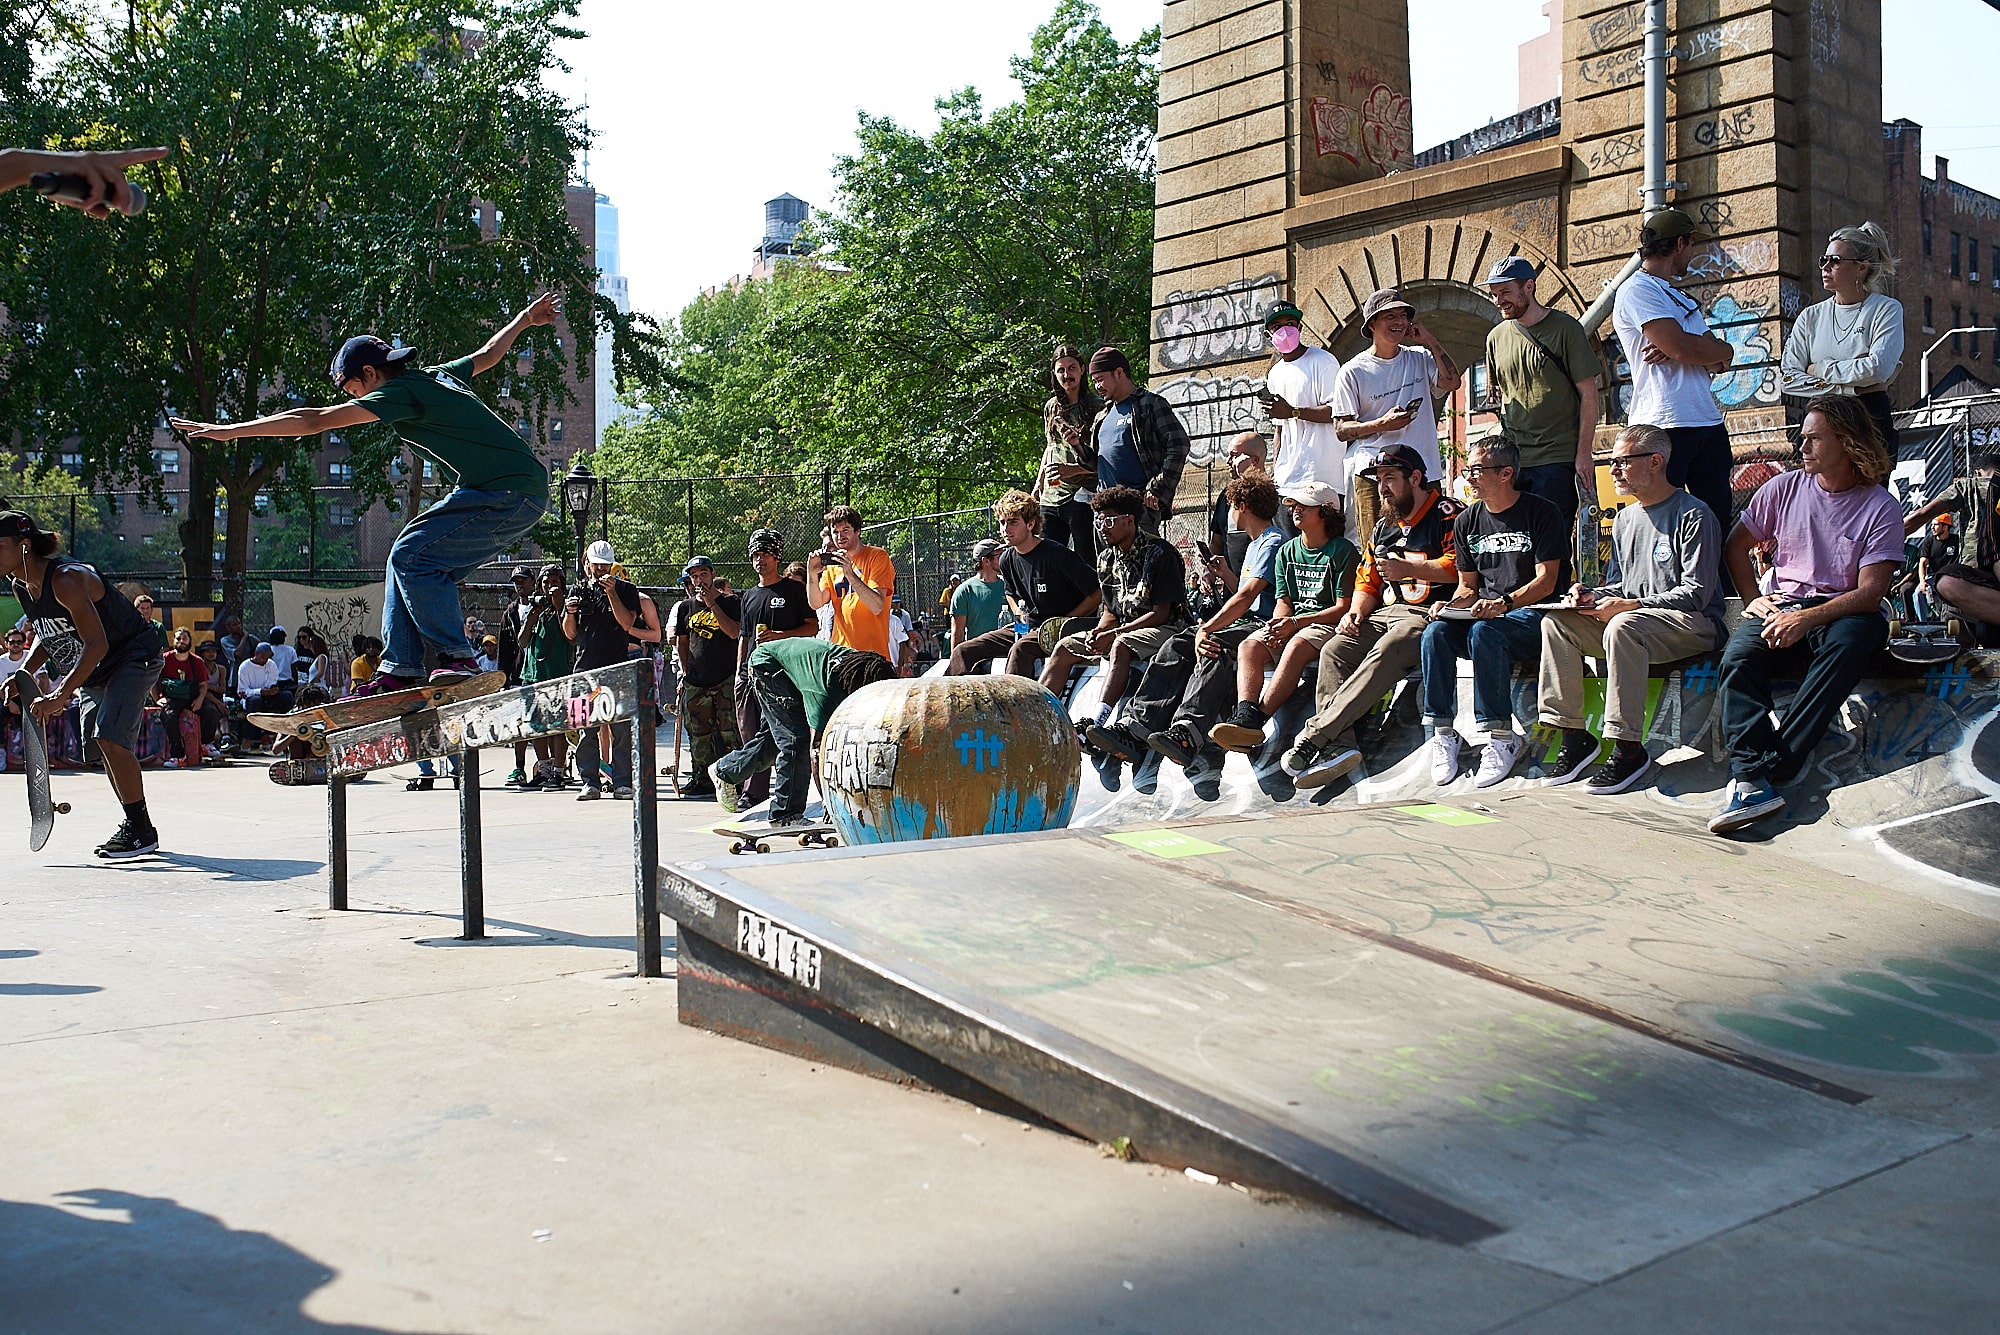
x=1756, y=379
x=1214, y=410
x=1381, y=132
x=1217, y=324
x=854, y=756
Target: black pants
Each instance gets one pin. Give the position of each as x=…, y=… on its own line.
x=1701, y=462
x=1069, y=525
x=1833, y=658
x=1180, y=686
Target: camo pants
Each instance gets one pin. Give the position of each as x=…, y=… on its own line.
x=710, y=720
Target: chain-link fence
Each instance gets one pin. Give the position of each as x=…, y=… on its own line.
x=932, y=554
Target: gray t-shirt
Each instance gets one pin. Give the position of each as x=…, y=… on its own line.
x=1668, y=556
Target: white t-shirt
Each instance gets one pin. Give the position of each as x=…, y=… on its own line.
x=1307, y=451
x=1672, y=394
x=283, y=656
x=1370, y=387
x=9, y=666
x=253, y=677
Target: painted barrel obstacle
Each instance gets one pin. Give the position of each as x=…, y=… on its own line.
x=939, y=757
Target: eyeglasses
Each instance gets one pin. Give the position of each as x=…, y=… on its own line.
x=1476, y=469
x=1828, y=261
x=1621, y=462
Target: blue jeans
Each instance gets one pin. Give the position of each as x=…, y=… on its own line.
x=1494, y=646
x=783, y=744
x=433, y=553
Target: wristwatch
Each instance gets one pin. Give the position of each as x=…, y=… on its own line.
x=1508, y=599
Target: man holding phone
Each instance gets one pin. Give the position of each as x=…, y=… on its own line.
x=1385, y=396
x=1298, y=390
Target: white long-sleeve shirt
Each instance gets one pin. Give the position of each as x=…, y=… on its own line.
x=1835, y=349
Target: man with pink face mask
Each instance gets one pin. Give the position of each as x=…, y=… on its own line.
x=1298, y=392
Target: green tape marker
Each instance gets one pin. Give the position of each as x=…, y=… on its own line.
x=1444, y=815
x=1166, y=843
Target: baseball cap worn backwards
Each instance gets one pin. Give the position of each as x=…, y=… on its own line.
x=986, y=547
x=1665, y=224
x=365, y=350
x=17, y=524
x=1109, y=359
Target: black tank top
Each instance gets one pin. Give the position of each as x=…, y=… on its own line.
x=128, y=637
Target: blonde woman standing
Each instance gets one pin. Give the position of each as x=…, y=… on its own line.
x=1851, y=343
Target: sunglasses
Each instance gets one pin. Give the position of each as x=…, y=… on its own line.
x=1828, y=261
x=1621, y=462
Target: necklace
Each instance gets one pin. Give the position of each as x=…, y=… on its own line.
x=1860, y=310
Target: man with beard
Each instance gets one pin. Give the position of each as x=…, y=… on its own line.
x=1408, y=563
x=776, y=608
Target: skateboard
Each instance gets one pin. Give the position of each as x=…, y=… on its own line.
x=312, y=725
x=299, y=773
x=756, y=839
x=42, y=812
x=1928, y=642
x=1588, y=553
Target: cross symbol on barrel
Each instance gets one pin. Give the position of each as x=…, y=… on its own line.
x=978, y=750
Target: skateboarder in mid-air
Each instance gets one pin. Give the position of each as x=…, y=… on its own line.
x=501, y=487
x=799, y=683
x=95, y=644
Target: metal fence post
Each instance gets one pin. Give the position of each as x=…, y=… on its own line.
x=646, y=823
x=690, y=550
x=336, y=844
x=70, y=548
x=471, y=861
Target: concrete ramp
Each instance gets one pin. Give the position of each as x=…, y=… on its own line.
x=1409, y=1010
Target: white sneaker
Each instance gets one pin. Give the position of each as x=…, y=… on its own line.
x=1445, y=748
x=1501, y=755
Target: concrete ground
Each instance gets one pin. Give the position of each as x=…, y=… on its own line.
x=228, y=1109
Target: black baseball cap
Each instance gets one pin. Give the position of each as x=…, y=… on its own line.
x=18, y=524
x=520, y=572
x=1397, y=456
x=365, y=350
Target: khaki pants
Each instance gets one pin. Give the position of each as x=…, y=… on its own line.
x=1629, y=644
x=1355, y=671
x=1144, y=643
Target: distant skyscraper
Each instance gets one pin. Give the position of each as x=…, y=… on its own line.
x=610, y=283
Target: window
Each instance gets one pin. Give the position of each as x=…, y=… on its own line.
x=1957, y=321
x=1927, y=238
x=167, y=460
x=1954, y=254
x=521, y=427
x=72, y=460
x=341, y=471
x=173, y=505
x=1993, y=272
x=1972, y=263
x=1973, y=352
x=556, y=431
x=336, y=438
x=478, y=216
x=341, y=514
x=430, y=471
x=1930, y=325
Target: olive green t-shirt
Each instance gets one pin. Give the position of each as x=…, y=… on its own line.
x=1537, y=386
x=436, y=413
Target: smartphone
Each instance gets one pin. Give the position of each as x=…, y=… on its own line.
x=1413, y=405
x=1207, y=555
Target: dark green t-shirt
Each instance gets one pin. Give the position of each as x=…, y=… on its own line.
x=809, y=663
x=438, y=416
x=1537, y=384
x=1313, y=579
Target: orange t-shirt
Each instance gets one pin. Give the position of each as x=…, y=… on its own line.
x=853, y=624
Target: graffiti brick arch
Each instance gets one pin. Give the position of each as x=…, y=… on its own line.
x=1436, y=266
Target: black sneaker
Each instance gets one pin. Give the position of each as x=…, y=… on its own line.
x=423, y=783
x=1110, y=770
x=1177, y=743
x=129, y=843
x=1573, y=757
x=1243, y=730
x=1627, y=765
x=1115, y=739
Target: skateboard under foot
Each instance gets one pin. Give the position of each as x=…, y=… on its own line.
x=752, y=839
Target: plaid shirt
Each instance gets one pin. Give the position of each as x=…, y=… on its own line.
x=1161, y=442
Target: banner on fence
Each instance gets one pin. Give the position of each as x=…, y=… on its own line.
x=338, y=614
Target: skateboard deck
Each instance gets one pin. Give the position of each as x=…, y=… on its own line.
x=1927, y=642
x=312, y=725
x=758, y=839
x=299, y=773
x=42, y=812
x=1588, y=554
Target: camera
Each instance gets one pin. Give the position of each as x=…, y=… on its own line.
x=590, y=599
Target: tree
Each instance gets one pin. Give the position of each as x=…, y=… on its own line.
x=915, y=343
x=327, y=167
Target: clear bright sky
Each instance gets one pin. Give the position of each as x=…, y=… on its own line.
x=703, y=112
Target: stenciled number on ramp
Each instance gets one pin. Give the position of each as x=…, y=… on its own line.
x=778, y=950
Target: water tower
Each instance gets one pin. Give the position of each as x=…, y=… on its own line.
x=783, y=217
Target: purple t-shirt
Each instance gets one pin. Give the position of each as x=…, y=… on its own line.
x=1824, y=537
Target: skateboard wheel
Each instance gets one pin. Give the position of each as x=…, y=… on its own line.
x=61, y=808
x=1895, y=628
x=1955, y=628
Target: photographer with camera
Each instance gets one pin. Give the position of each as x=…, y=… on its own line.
x=855, y=580
x=601, y=616
x=546, y=654
x=704, y=626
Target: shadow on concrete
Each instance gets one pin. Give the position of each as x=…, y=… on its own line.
x=46, y=989
x=230, y=869
x=18, y=954
x=529, y=933
x=162, y=1267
